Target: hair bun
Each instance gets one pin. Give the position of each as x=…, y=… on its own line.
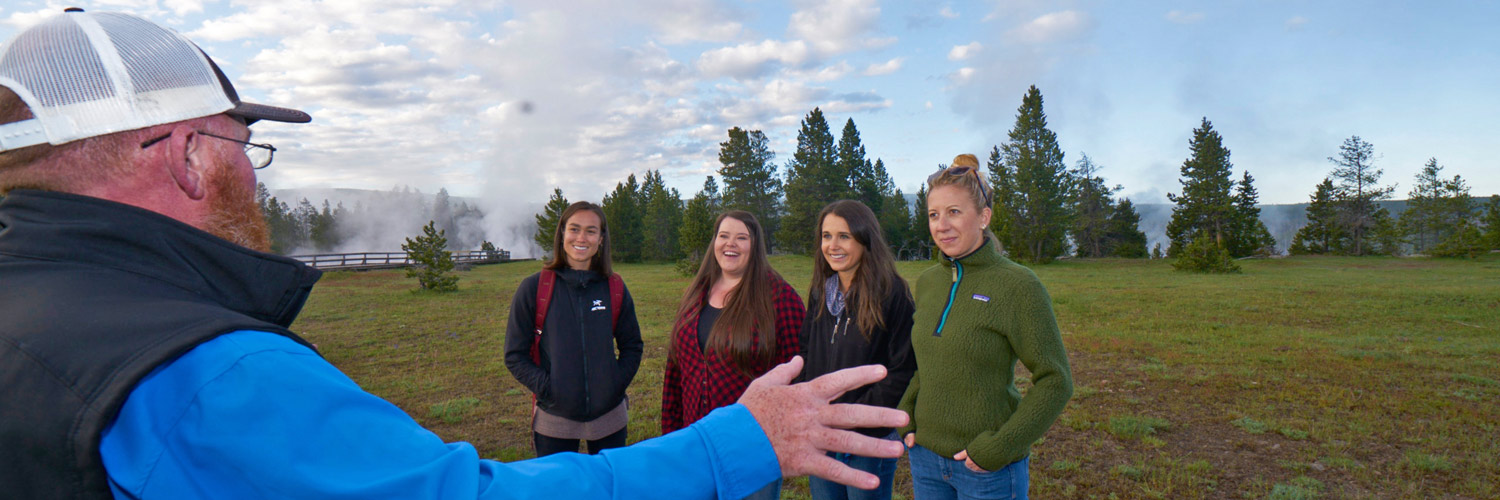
x=965, y=160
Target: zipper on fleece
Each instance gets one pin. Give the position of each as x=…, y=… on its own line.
x=958, y=275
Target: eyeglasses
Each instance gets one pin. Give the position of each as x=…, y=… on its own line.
x=259, y=154
x=959, y=171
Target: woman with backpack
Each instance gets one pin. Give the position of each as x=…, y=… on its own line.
x=737, y=320
x=859, y=312
x=566, y=323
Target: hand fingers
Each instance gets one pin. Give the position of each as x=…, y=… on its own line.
x=850, y=416
x=838, y=472
x=911, y=439
x=961, y=455
x=841, y=441
x=835, y=384
x=973, y=466
x=783, y=373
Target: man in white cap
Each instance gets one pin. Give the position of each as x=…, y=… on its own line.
x=144, y=349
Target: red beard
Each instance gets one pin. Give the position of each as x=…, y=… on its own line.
x=233, y=213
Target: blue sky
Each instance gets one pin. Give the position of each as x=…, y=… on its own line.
x=505, y=100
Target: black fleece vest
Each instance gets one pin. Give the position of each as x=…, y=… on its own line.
x=94, y=295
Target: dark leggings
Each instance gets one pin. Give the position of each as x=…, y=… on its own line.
x=547, y=445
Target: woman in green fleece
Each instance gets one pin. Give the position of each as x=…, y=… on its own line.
x=977, y=314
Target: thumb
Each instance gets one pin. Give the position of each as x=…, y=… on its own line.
x=784, y=373
x=962, y=455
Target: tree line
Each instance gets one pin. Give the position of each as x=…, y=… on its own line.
x=1441, y=217
x=649, y=222
x=304, y=227
x=1042, y=209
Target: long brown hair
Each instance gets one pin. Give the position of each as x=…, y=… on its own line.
x=874, y=279
x=745, y=333
x=601, y=261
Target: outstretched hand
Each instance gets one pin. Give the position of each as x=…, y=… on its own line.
x=803, y=426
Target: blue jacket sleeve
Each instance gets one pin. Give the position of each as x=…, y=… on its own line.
x=255, y=415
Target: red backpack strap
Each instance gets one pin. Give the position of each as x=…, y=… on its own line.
x=543, y=302
x=616, y=298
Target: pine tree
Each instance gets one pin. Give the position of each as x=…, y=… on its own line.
x=1248, y=235
x=442, y=211
x=275, y=213
x=431, y=259
x=1002, y=185
x=1038, y=207
x=1421, y=220
x=813, y=180
x=1491, y=222
x=663, y=218
x=324, y=239
x=1322, y=234
x=1358, y=192
x=1205, y=205
x=546, y=222
x=1436, y=208
x=921, y=234
x=864, y=184
x=623, y=208
x=1092, y=208
x=698, y=221
x=895, y=222
x=1125, y=238
x=1156, y=252
x=750, y=179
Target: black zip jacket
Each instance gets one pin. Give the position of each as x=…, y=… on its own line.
x=94, y=295
x=830, y=344
x=580, y=377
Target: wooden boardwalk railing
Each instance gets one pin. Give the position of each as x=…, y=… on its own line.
x=391, y=260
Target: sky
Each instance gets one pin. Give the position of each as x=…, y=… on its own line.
x=504, y=100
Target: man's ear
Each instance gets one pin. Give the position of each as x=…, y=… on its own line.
x=188, y=161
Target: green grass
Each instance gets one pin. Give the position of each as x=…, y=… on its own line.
x=1130, y=427
x=1361, y=377
x=454, y=410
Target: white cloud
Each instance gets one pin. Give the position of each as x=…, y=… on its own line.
x=947, y=12
x=1296, y=23
x=827, y=73
x=684, y=21
x=20, y=20
x=752, y=60
x=962, y=76
x=884, y=68
x=183, y=7
x=927, y=105
x=1055, y=27
x=961, y=52
x=836, y=26
x=1181, y=17
x=854, y=102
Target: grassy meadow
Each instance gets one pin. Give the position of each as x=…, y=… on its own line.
x=1300, y=378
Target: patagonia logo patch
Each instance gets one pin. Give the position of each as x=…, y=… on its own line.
x=598, y=306
x=981, y=298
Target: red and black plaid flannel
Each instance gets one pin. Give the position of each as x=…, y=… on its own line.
x=698, y=382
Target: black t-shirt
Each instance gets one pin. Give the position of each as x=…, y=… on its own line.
x=706, y=319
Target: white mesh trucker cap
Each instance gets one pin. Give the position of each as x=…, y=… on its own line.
x=90, y=74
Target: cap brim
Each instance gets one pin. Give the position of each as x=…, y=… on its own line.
x=252, y=112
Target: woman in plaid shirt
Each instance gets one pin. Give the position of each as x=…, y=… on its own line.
x=721, y=340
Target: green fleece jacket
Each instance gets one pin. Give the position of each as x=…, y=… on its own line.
x=975, y=318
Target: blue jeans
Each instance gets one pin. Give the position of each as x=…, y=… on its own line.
x=770, y=492
x=883, y=468
x=936, y=477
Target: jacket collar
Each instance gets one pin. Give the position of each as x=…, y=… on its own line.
x=93, y=232
x=987, y=254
